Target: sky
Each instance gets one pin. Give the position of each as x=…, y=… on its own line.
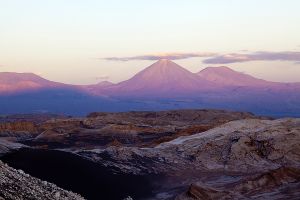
x=88, y=41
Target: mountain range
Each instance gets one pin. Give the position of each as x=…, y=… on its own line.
x=162, y=85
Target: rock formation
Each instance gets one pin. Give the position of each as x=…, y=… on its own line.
x=242, y=158
x=143, y=129
x=198, y=154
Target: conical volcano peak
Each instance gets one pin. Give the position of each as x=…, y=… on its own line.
x=161, y=78
x=164, y=60
x=165, y=64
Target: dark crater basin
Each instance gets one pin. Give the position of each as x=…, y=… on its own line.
x=87, y=178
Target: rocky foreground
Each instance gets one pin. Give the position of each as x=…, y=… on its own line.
x=17, y=185
x=249, y=158
x=197, y=154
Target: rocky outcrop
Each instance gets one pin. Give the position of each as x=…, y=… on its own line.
x=101, y=130
x=141, y=129
x=240, y=146
x=18, y=126
x=275, y=184
x=11, y=133
x=233, y=159
x=35, y=118
x=24, y=125
x=16, y=185
x=192, y=116
x=7, y=146
x=17, y=129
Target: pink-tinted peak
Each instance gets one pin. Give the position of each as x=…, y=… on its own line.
x=11, y=82
x=225, y=76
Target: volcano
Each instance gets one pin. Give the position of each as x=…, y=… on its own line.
x=162, y=85
x=163, y=78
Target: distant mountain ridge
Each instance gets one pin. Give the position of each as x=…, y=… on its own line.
x=11, y=82
x=226, y=76
x=163, y=78
x=162, y=85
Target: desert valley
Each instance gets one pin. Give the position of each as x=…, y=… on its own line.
x=180, y=154
x=149, y=100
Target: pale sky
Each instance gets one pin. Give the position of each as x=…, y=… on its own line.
x=66, y=40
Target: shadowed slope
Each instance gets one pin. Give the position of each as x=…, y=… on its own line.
x=80, y=175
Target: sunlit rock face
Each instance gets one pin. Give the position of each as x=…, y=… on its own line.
x=239, y=159
x=250, y=145
x=275, y=184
